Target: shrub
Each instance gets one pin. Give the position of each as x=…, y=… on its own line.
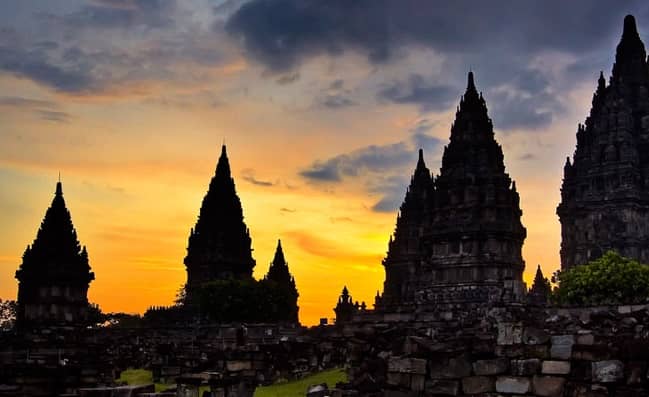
x=609, y=280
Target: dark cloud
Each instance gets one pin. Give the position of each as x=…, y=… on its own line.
x=385, y=168
x=37, y=66
x=122, y=14
x=336, y=96
x=392, y=191
x=288, y=78
x=282, y=33
x=415, y=90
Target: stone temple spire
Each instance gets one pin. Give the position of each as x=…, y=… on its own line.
x=279, y=274
x=404, y=249
x=541, y=289
x=55, y=274
x=630, y=59
x=474, y=238
x=219, y=245
x=605, y=191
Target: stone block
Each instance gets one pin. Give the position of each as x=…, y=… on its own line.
x=635, y=371
x=491, y=367
x=563, y=340
x=478, y=385
x=236, y=366
x=535, y=336
x=439, y=387
x=586, y=339
x=407, y=365
x=561, y=352
x=548, y=386
x=417, y=382
x=510, y=333
x=526, y=367
x=454, y=368
x=555, y=367
x=513, y=385
x=609, y=371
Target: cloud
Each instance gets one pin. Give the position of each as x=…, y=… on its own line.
x=415, y=90
x=336, y=96
x=287, y=210
x=43, y=109
x=282, y=33
x=382, y=169
x=248, y=175
x=122, y=14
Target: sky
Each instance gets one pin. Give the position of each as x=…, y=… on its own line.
x=322, y=104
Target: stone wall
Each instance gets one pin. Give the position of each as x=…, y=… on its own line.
x=504, y=351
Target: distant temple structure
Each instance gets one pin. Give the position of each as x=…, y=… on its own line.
x=605, y=192
x=541, y=289
x=459, y=236
x=54, y=276
x=219, y=245
x=346, y=308
x=281, y=276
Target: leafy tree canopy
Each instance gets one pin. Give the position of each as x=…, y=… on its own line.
x=609, y=280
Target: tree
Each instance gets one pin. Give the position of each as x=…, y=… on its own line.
x=609, y=280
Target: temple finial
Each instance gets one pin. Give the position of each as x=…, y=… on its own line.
x=59, y=188
x=470, y=84
x=630, y=28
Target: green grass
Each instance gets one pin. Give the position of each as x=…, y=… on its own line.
x=295, y=388
x=140, y=377
x=298, y=388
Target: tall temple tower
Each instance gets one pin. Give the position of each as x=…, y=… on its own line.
x=605, y=192
x=279, y=274
x=219, y=245
x=459, y=238
x=54, y=275
x=475, y=237
x=405, y=248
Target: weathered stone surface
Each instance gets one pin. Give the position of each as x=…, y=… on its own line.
x=478, y=384
x=607, y=371
x=548, y=386
x=562, y=352
x=491, y=367
x=510, y=333
x=407, y=365
x=235, y=366
x=525, y=367
x=456, y=367
x=535, y=336
x=443, y=387
x=555, y=367
x=513, y=385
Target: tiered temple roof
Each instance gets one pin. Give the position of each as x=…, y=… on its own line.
x=219, y=245
x=605, y=192
x=55, y=274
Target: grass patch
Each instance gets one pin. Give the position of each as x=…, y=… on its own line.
x=140, y=377
x=297, y=388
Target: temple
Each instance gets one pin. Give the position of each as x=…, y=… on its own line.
x=459, y=237
x=279, y=274
x=219, y=245
x=540, y=292
x=605, y=192
x=54, y=276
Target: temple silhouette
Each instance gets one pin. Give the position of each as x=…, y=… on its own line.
x=219, y=246
x=605, y=192
x=458, y=237
x=54, y=276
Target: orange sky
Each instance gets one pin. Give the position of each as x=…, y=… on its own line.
x=133, y=115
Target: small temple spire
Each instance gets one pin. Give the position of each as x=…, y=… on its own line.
x=630, y=29
x=470, y=84
x=59, y=188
